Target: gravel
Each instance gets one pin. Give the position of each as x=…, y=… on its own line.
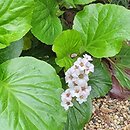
x=110, y=114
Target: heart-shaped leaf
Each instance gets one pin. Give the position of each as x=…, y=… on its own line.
x=66, y=45
x=15, y=20
x=30, y=96
x=79, y=115
x=45, y=24
x=103, y=30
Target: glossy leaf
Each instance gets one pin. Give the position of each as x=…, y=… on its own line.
x=66, y=44
x=12, y=51
x=30, y=96
x=15, y=20
x=45, y=24
x=100, y=80
x=79, y=115
x=103, y=30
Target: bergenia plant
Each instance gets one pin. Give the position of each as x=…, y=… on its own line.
x=56, y=56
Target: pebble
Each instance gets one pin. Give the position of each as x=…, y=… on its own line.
x=110, y=114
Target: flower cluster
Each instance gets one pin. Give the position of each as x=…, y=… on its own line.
x=77, y=77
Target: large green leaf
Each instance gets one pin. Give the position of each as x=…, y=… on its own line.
x=30, y=96
x=12, y=51
x=103, y=30
x=66, y=44
x=45, y=24
x=122, y=66
x=100, y=80
x=79, y=115
x=15, y=20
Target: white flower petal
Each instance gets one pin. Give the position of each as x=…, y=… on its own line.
x=82, y=97
x=81, y=82
x=89, y=68
x=87, y=57
x=66, y=95
x=75, y=91
x=66, y=104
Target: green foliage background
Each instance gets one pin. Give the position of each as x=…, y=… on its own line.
x=51, y=31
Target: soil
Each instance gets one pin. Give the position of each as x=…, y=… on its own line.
x=110, y=114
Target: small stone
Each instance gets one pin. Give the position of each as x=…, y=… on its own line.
x=127, y=127
x=111, y=114
x=116, y=117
